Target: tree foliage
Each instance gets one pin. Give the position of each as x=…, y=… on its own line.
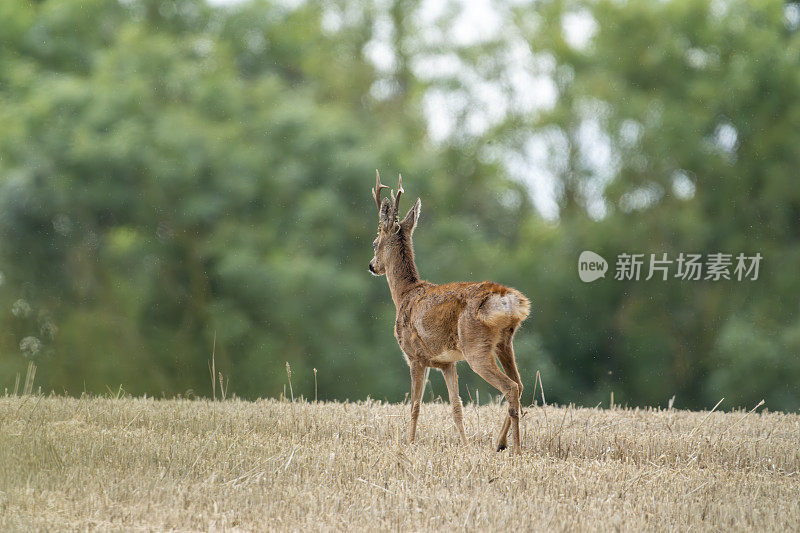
x=173, y=173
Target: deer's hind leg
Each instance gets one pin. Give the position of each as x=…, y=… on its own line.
x=505, y=354
x=480, y=354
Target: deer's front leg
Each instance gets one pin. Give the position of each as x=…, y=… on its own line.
x=451, y=378
x=417, y=384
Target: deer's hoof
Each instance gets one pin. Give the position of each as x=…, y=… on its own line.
x=501, y=447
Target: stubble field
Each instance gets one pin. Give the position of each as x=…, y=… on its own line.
x=144, y=464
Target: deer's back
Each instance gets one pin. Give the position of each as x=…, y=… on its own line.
x=435, y=321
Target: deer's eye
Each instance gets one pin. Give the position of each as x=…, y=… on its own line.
x=374, y=245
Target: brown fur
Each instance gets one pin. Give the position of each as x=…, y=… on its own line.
x=438, y=325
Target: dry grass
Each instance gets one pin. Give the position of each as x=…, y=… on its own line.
x=142, y=464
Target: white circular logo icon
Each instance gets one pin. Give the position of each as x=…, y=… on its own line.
x=591, y=266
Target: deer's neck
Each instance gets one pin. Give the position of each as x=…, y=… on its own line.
x=401, y=272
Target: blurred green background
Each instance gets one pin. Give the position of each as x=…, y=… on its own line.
x=172, y=171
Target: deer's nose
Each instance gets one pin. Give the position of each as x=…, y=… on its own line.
x=371, y=268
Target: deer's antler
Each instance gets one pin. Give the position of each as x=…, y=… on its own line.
x=396, y=199
x=376, y=191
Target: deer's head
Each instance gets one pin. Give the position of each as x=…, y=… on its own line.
x=394, y=235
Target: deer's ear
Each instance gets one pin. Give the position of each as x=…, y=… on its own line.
x=385, y=214
x=410, y=221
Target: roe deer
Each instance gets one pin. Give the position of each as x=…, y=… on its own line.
x=439, y=325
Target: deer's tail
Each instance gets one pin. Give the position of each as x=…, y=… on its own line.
x=505, y=308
